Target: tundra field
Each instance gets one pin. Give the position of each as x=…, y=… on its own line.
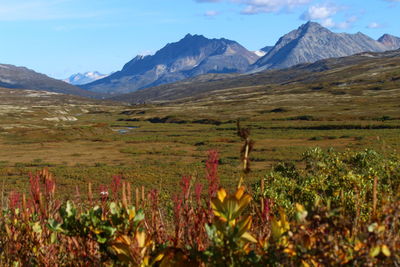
x=89, y=141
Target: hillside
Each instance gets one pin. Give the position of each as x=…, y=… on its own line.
x=14, y=77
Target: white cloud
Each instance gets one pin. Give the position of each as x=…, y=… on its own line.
x=325, y=14
x=319, y=11
x=348, y=23
x=374, y=25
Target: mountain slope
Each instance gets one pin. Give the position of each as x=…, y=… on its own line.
x=193, y=55
x=84, y=78
x=312, y=42
x=390, y=42
x=14, y=77
x=335, y=71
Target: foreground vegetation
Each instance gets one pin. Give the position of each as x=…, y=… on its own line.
x=339, y=209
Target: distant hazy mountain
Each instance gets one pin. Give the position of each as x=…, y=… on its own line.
x=390, y=42
x=193, y=55
x=312, y=42
x=84, y=78
x=23, y=78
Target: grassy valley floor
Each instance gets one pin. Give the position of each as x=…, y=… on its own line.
x=154, y=145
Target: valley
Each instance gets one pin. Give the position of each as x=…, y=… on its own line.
x=76, y=136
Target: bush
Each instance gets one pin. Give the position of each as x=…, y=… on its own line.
x=349, y=180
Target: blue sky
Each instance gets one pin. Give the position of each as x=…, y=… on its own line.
x=62, y=37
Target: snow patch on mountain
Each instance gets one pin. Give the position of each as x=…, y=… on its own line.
x=84, y=78
x=260, y=53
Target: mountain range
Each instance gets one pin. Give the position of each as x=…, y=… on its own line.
x=370, y=71
x=192, y=56
x=312, y=42
x=196, y=55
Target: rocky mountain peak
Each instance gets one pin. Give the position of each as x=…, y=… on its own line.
x=191, y=56
x=311, y=27
x=390, y=41
x=312, y=42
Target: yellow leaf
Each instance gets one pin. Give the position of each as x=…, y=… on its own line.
x=359, y=245
x=141, y=239
x=290, y=252
x=146, y=261
x=300, y=208
x=132, y=214
x=239, y=193
x=249, y=237
x=159, y=257
x=123, y=239
x=314, y=263
x=221, y=194
x=217, y=206
x=244, y=201
x=385, y=250
x=375, y=251
x=122, y=251
x=301, y=213
x=276, y=229
x=284, y=222
x=304, y=263
x=94, y=230
x=247, y=248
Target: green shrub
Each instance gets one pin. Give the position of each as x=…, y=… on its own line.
x=341, y=180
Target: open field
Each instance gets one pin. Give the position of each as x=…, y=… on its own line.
x=83, y=140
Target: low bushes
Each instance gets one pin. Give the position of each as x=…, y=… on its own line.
x=340, y=208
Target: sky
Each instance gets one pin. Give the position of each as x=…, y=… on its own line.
x=63, y=37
